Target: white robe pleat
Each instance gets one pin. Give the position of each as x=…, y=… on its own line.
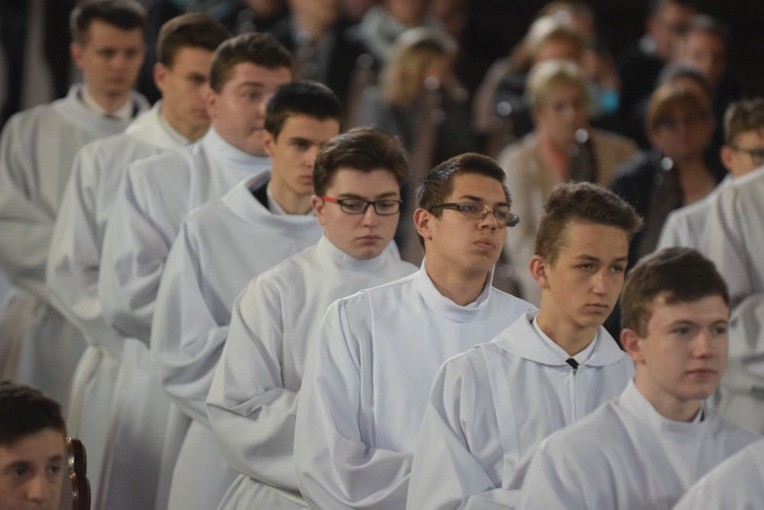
x=36, y=153
x=72, y=275
x=626, y=455
x=155, y=196
x=367, y=381
x=490, y=406
x=253, y=400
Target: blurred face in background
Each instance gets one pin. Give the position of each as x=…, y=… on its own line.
x=706, y=52
x=684, y=133
x=562, y=112
x=665, y=28
x=407, y=12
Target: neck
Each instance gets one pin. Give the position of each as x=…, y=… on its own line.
x=193, y=133
x=667, y=406
x=290, y=202
x=553, y=156
x=109, y=102
x=572, y=338
x=459, y=287
x=694, y=178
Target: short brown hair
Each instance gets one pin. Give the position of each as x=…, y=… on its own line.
x=308, y=98
x=682, y=273
x=743, y=116
x=25, y=411
x=123, y=14
x=671, y=95
x=191, y=30
x=586, y=203
x=363, y=148
x=258, y=49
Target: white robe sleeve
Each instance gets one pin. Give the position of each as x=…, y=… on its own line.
x=134, y=252
x=459, y=452
x=74, y=257
x=725, y=243
x=26, y=224
x=252, y=414
x=186, y=338
x=338, y=465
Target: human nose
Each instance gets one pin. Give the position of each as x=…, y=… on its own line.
x=601, y=283
x=370, y=216
x=38, y=488
x=489, y=219
x=705, y=345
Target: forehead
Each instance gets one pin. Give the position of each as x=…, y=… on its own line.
x=249, y=73
x=39, y=446
x=349, y=180
x=192, y=57
x=706, y=310
x=605, y=242
x=753, y=139
x=485, y=188
x=310, y=128
x=702, y=40
x=102, y=34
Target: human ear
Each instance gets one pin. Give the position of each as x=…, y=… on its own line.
x=537, y=266
x=318, y=207
x=631, y=343
x=423, y=223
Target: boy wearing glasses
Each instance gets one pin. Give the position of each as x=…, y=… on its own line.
x=492, y=404
x=375, y=353
x=221, y=246
x=742, y=153
x=253, y=399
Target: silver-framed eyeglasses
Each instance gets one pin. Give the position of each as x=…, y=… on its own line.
x=476, y=211
x=383, y=207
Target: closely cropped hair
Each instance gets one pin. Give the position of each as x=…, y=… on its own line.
x=586, y=203
x=25, y=411
x=191, y=30
x=682, y=273
x=415, y=51
x=123, y=14
x=548, y=75
x=308, y=98
x=259, y=49
x=672, y=95
x=363, y=148
x=682, y=73
x=438, y=184
x=742, y=116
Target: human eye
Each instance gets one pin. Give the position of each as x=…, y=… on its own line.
x=253, y=96
x=617, y=268
x=470, y=208
x=197, y=80
x=682, y=330
x=387, y=206
x=301, y=144
x=20, y=470
x=353, y=205
x=54, y=469
x=719, y=329
x=586, y=266
x=107, y=53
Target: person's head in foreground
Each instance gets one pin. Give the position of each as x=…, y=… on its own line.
x=463, y=209
x=581, y=253
x=32, y=448
x=674, y=315
x=357, y=180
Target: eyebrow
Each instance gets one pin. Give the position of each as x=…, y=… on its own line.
x=253, y=84
x=592, y=257
x=389, y=194
x=480, y=199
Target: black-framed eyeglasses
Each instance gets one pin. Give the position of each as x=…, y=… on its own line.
x=504, y=217
x=756, y=154
x=383, y=207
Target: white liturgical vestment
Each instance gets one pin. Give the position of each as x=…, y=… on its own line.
x=39, y=347
x=367, y=381
x=493, y=404
x=253, y=399
x=627, y=455
x=734, y=237
x=735, y=484
x=72, y=275
x=686, y=226
x=155, y=196
x=221, y=246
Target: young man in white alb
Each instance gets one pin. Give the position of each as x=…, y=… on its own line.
x=253, y=400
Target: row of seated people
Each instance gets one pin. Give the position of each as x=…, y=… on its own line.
x=124, y=226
